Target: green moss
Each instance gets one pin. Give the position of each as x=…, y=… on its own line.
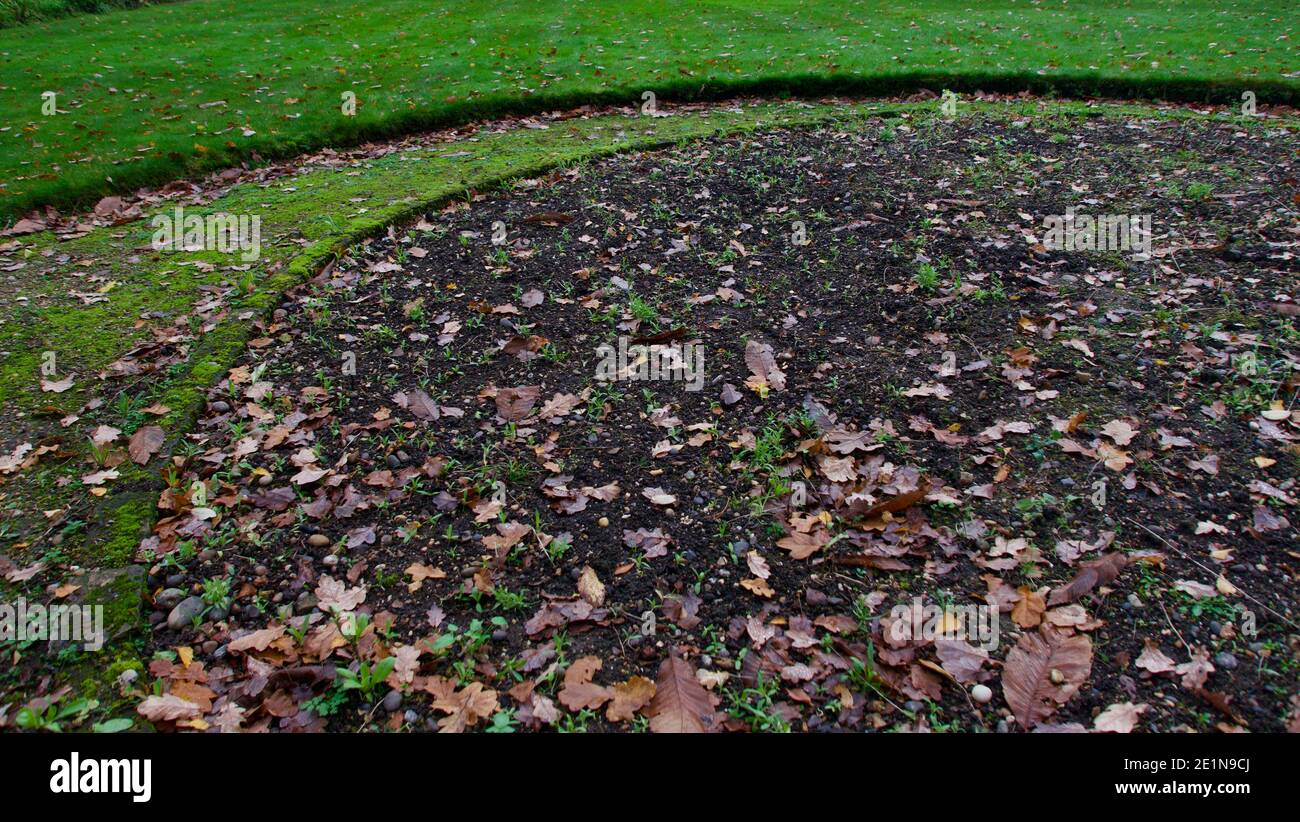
x=126, y=519
x=97, y=680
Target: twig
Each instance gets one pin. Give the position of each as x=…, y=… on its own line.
x=1187, y=647
x=1175, y=549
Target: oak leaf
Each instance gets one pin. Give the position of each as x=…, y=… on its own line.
x=579, y=691
x=629, y=697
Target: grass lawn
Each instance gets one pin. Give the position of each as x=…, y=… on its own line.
x=153, y=94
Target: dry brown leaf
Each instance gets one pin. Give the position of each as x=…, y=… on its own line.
x=1028, y=610
x=167, y=708
x=1043, y=671
x=466, y=708
x=145, y=443
x=961, y=660
x=1120, y=718
x=257, y=640
x=419, y=572
x=335, y=595
x=513, y=404
x=762, y=364
x=1095, y=572
x=758, y=587
x=681, y=705
x=895, y=504
x=629, y=697
x=802, y=546
x=590, y=587
x=579, y=691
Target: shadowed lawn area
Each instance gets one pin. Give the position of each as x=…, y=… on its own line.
x=153, y=94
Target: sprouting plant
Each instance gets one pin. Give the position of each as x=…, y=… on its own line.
x=353, y=626
x=576, y=723
x=508, y=600
x=556, y=549
x=503, y=722
x=55, y=716
x=328, y=703
x=367, y=678
x=862, y=673
x=926, y=277
x=216, y=592
x=756, y=706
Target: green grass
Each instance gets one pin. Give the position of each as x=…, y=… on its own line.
x=152, y=94
x=21, y=12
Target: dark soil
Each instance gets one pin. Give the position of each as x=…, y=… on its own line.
x=916, y=322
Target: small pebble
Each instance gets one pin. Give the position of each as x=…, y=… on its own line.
x=392, y=701
x=1225, y=661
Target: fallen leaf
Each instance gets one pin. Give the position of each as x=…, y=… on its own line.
x=1119, y=431
x=1153, y=659
x=419, y=572
x=1120, y=718
x=1043, y=671
x=144, y=444
x=513, y=404
x=579, y=691
x=629, y=697
x=590, y=587
x=762, y=365
x=1095, y=572
x=680, y=705
x=167, y=708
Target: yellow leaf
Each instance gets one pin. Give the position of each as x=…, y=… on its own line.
x=1226, y=588
x=758, y=586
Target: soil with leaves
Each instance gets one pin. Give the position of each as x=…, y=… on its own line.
x=416, y=506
